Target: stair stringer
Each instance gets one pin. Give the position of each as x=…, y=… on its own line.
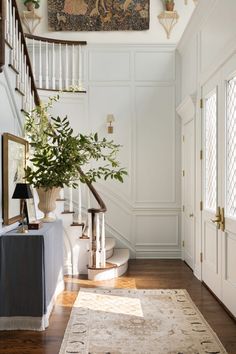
x=121, y=241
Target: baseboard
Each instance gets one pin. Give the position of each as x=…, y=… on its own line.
x=197, y=271
x=68, y=269
x=158, y=254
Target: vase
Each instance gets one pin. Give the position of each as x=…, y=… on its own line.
x=47, y=201
x=170, y=6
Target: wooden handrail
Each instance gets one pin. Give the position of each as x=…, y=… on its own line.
x=28, y=62
x=2, y=33
x=55, y=41
x=101, y=203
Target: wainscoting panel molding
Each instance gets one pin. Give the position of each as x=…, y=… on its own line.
x=147, y=69
x=109, y=65
x=137, y=85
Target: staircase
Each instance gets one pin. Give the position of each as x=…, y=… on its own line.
x=86, y=249
x=77, y=244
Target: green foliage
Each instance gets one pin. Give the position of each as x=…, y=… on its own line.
x=58, y=154
x=36, y=3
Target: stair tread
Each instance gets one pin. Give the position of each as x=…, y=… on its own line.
x=110, y=243
x=119, y=257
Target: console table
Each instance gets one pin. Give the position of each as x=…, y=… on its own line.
x=31, y=276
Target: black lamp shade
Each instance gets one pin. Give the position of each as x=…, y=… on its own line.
x=22, y=191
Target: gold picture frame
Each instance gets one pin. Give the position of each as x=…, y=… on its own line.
x=14, y=162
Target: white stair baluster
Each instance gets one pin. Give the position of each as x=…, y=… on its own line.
x=16, y=46
x=80, y=68
x=66, y=70
x=7, y=22
x=46, y=66
x=60, y=67
x=53, y=67
x=103, y=245
x=22, y=69
x=70, y=199
x=13, y=36
x=24, y=74
x=98, y=254
x=90, y=239
x=73, y=66
x=79, y=203
x=10, y=22
x=18, y=79
x=40, y=65
x=33, y=57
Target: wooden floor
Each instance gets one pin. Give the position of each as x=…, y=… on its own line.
x=142, y=274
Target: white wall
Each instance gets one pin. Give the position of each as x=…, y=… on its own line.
x=138, y=85
x=155, y=34
x=207, y=43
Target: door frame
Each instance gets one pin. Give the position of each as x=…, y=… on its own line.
x=187, y=112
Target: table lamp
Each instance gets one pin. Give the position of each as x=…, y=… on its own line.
x=22, y=192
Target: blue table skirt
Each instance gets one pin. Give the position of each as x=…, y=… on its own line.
x=31, y=275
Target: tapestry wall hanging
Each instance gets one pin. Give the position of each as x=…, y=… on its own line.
x=98, y=15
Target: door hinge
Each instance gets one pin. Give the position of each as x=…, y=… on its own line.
x=201, y=205
x=201, y=155
x=201, y=257
x=201, y=103
x=183, y=208
x=182, y=243
x=183, y=138
x=183, y=173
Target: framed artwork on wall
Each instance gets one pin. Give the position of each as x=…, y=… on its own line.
x=14, y=161
x=98, y=15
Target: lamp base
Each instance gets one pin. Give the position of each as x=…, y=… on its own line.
x=22, y=230
x=110, y=129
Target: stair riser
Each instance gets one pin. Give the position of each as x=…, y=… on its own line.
x=107, y=274
x=109, y=253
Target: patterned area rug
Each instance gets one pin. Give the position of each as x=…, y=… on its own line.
x=138, y=321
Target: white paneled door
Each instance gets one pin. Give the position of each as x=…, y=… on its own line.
x=219, y=185
x=188, y=192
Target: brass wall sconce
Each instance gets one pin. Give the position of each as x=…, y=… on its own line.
x=110, y=120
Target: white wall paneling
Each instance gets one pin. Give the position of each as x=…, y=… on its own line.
x=154, y=66
x=110, y=65
x=157, y=234
x=155, y=145
x=159, y=230
x=119, y=81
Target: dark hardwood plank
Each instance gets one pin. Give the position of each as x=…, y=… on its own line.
x=142, y=274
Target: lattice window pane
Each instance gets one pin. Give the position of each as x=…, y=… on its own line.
x=231, y=149
x=211, y=152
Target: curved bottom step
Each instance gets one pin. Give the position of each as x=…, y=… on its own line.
x=119, y=261
x=110, y=245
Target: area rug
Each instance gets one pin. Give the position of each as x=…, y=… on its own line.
x=107, y=321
